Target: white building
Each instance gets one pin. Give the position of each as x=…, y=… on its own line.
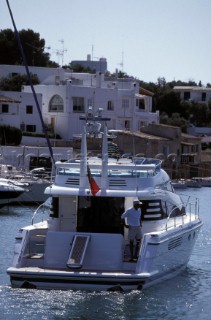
x=97, y=65
x=193, y=93
x=64, y=96
x=18, y=109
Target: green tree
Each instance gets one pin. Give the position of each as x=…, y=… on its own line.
x=77, y=67
x=10, y=136
x=174, y=120
x=199, y=114
x=33, y=47
x=16, y=82
x=8, y=47
x=168, y=103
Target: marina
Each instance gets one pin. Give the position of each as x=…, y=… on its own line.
x=108, y=234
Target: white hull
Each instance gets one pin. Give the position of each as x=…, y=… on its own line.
x=9, y=192
x=114, y=282
x=35, y=193
x=156, y=263
x=50, y=280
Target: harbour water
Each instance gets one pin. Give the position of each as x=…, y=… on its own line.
x=186, y=296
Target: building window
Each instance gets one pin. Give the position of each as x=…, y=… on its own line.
x=78, y=104
x=125, y=103
x=30, y=128
x=194, y=149
x=5, y=108
x=14, y=74
x=90, y=103
x=22, y=126
x=127, y=125
x=110, y=106
x=140, y=104
x=203, y=96
x=56, y=104
x=187, y=95
x=187, y=158
x=142, y=124
x=29, y=109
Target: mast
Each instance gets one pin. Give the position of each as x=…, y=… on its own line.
x=104, y=160
x=83, y=160
x=92, y=129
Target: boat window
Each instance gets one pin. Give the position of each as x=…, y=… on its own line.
x=131, y=173
x=68, y=172
x=55, y=207
x=75, y=172
x=153, y=210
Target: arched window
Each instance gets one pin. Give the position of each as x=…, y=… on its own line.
x=56, y=104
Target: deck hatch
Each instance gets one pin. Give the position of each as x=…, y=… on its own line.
x=78, y=251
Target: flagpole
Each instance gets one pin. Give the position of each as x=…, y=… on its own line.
x=104, y=160
x=83, y=160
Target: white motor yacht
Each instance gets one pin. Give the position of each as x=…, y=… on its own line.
x=83, y=243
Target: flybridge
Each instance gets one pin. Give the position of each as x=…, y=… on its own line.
x=103, y=173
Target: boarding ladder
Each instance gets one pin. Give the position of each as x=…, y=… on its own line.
x=78, y=251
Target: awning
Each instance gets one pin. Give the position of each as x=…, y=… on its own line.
x=188, y=144
x=8, y=100
x=140, y=96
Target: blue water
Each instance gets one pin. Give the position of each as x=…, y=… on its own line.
x=186, y=296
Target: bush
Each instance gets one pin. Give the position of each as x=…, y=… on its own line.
x=10, y=136
x=41, y=135
x=16, y=82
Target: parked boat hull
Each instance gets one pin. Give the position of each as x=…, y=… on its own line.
x=34, y=195
x=94, y=281
x=155, y=264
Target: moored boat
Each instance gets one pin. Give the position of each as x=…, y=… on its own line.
x=179, y=184
x=192, y=183
x=34, y=181
x=9, y=191
x=84, y=245
x=203, y=181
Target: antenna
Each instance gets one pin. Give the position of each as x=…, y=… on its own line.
x=60, y=53
x=122, y=62
x=63, y=50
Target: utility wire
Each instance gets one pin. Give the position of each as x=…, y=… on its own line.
x=30, y=81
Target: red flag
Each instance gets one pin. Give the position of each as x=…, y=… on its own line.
x=92, y=183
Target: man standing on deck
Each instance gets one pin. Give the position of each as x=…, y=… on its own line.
x=133, y=216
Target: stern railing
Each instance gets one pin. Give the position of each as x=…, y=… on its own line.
x=189, y=211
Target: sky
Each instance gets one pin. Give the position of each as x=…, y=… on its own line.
x=146, y=39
